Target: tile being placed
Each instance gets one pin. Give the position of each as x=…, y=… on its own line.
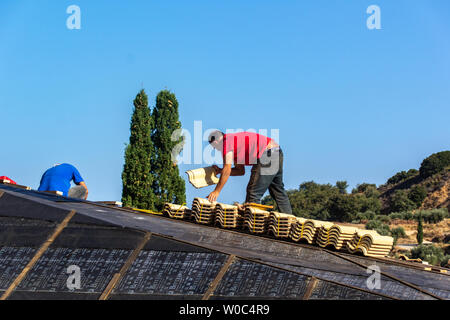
x=202, y=177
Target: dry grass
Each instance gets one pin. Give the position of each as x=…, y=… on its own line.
x=430, y=231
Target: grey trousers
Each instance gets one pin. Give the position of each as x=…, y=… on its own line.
x=77, y=192
x=268, y=174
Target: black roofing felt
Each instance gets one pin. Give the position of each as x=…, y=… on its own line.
x=180, y=260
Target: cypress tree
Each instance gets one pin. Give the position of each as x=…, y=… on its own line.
x=420, y=230
x=136, y=176
x=168, y=186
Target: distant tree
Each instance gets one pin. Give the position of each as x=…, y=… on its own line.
x=311, y=200
x=397, y=233
x=342, y=186
x=434, y=164
x=343, y=208
x=368, y=189
x=168, y=185
x=400, y=202
x=420, y=231
x=136, y=177
x=328, y=202
x=417, y=194
x=370, y=204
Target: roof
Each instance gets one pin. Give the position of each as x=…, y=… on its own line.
x=123, y=254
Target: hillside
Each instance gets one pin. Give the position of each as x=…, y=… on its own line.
x=436, y=195
x=426, y=188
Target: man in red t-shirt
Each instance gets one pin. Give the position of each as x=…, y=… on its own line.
x=263, y=154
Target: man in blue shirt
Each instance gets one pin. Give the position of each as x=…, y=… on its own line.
x=58, y=179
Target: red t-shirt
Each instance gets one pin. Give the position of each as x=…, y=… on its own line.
x=247, y=147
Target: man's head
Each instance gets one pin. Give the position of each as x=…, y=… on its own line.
x=215, y=139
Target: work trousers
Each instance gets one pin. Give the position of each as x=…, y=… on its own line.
x=267, y=173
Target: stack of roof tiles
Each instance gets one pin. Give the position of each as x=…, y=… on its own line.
x=354, y=240
x=308, y=230
x=176, y=211
x=370, y=243
x=203, y=211
x=260, y=221
x=227, y=216
x=280, y=224
x=256, y=220
x=336, y=236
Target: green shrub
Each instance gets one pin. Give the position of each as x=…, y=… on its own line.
x=378, y=226
x=430, y=253
x=383, y=218
x=397, y=215
x=408, y=215
x=428, y=216
x=405, y=215
x=432, y=216
x=384, y=230
x=398, y=232
x=423, y=214
x=417, y=194
x=373, y=224
x=400, y=202
x=368, y=215
x=446, y=260
x=437, y=215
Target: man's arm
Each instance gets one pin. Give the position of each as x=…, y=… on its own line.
x=78, y=180
x=225, y=173
x=84, y=185
x=238, y=170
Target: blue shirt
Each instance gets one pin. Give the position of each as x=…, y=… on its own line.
x=58, y=178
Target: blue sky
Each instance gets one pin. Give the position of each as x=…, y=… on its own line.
x=350, y=103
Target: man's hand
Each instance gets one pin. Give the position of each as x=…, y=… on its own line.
x=217, y=170
x=213, y=196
